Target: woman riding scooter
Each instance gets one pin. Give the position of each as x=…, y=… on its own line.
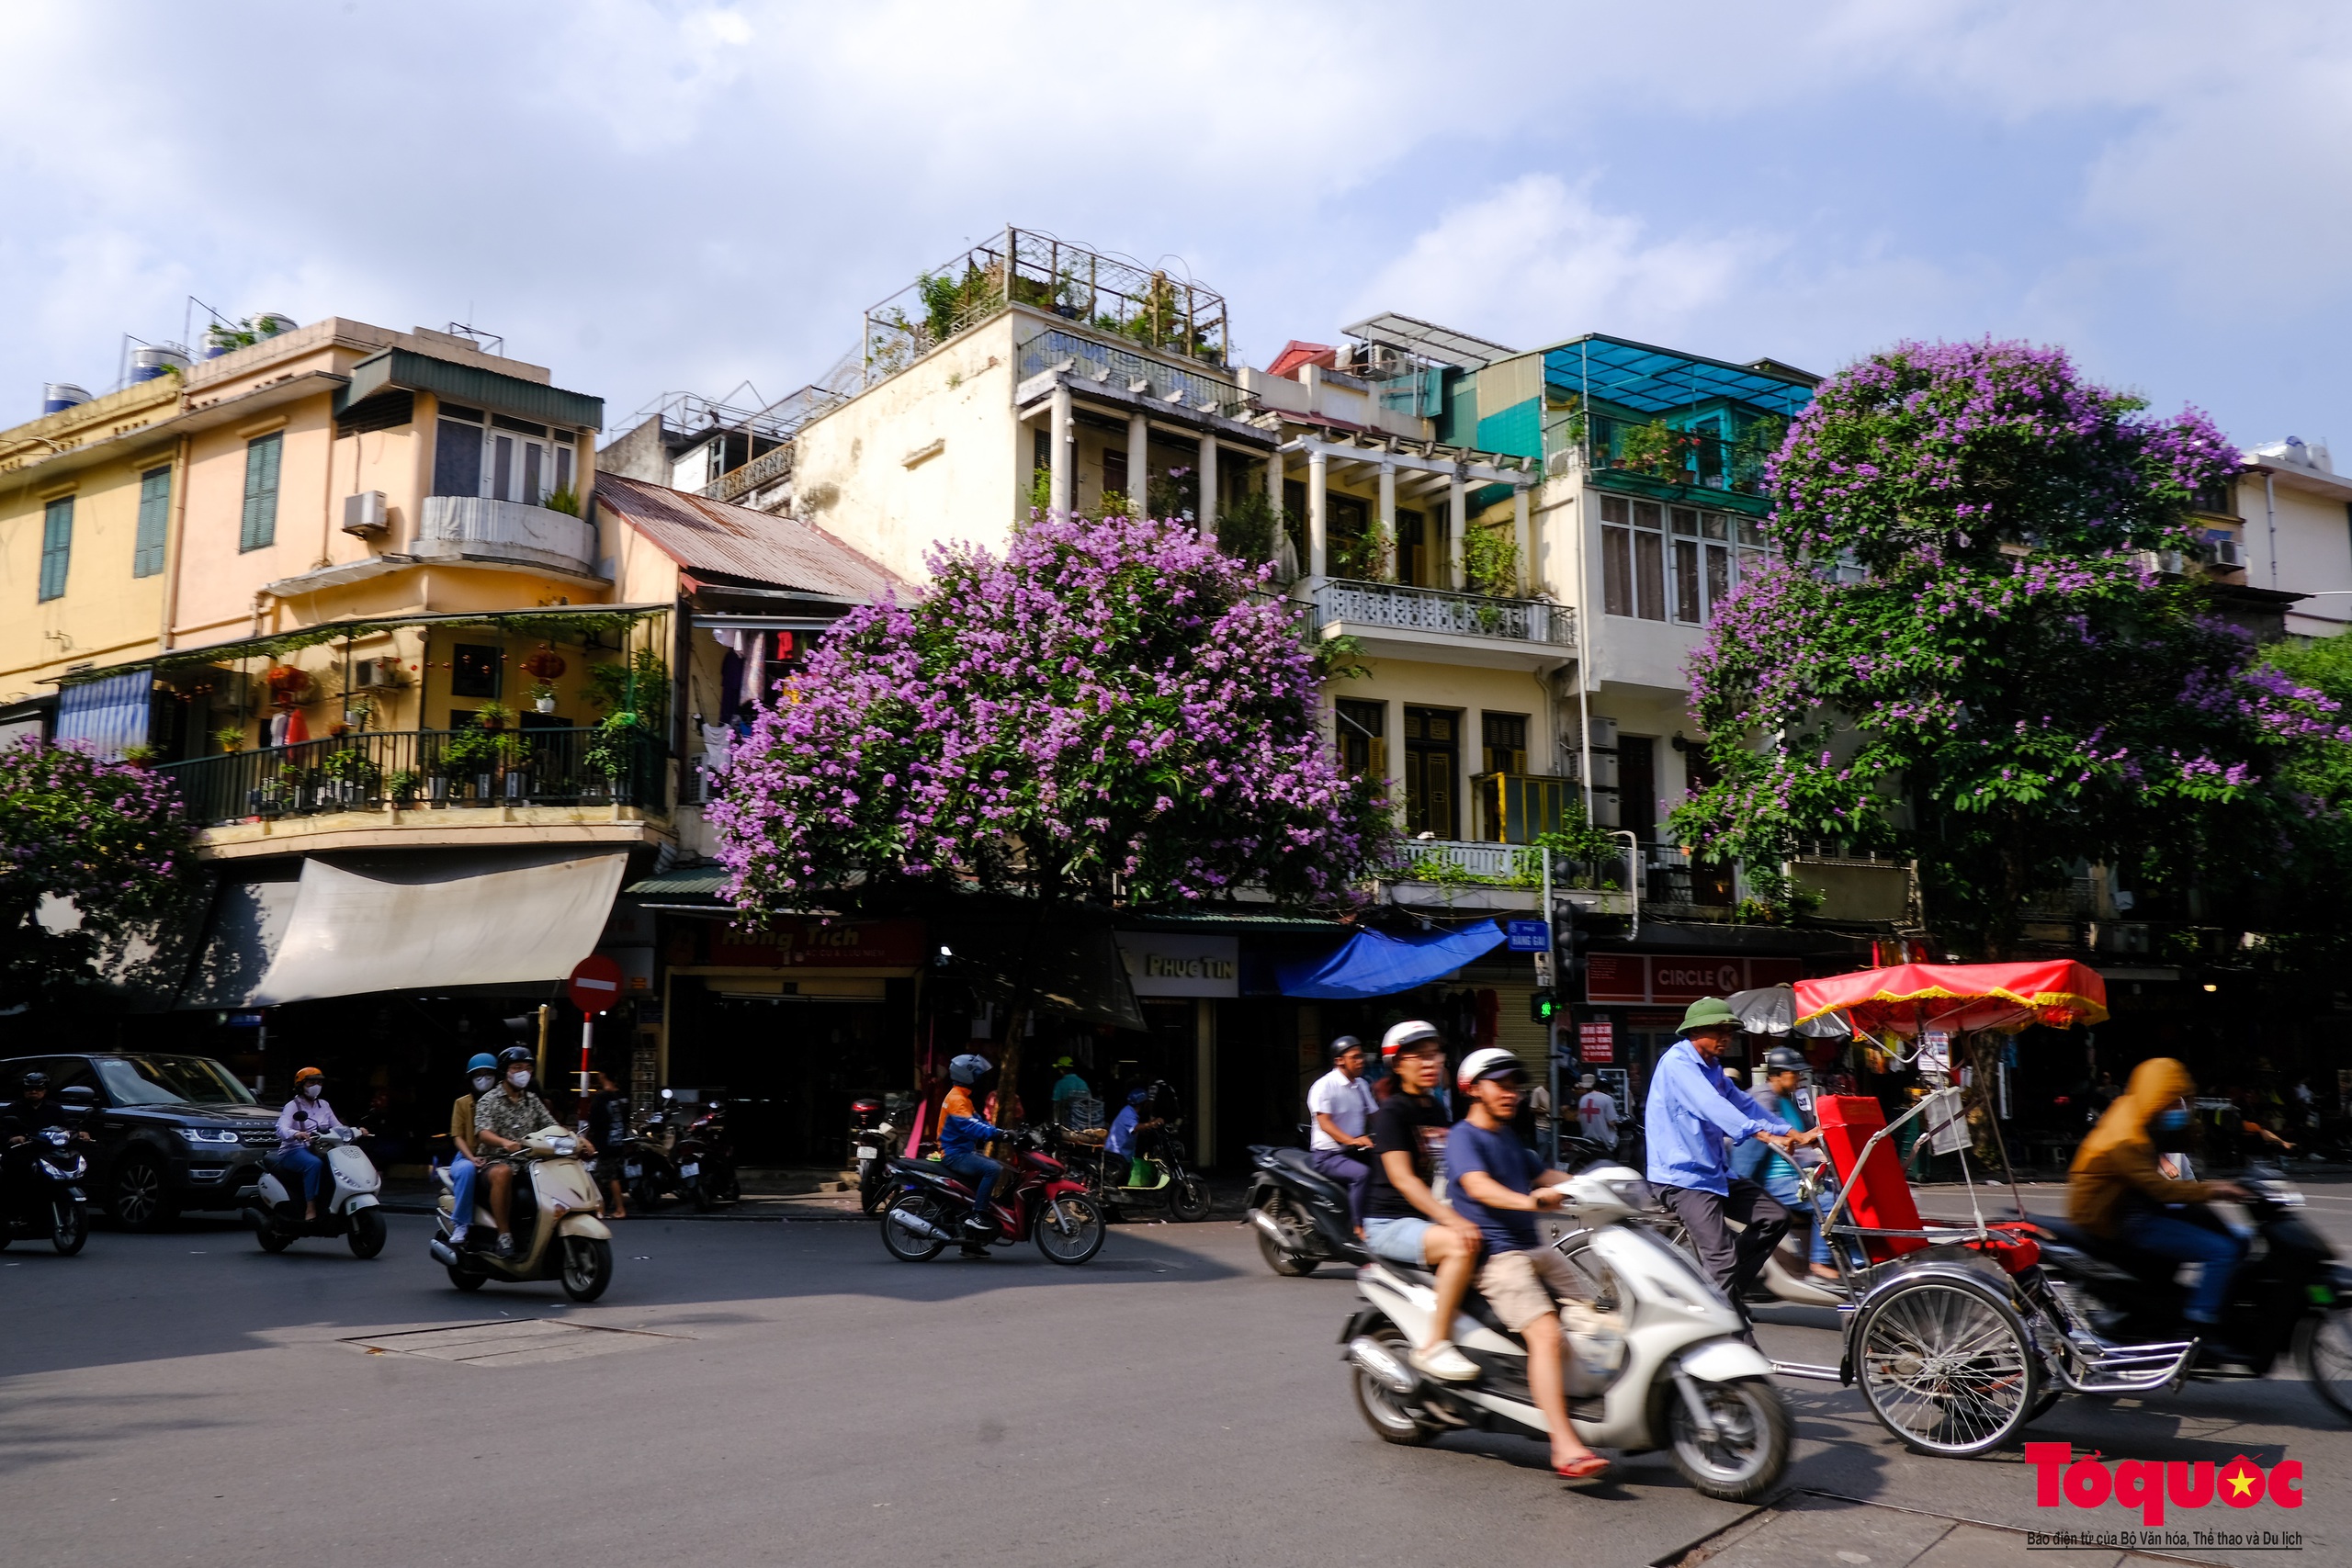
x=306, y=1114
x=2115, y=1190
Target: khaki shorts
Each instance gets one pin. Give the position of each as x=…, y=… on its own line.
x=1521, y=1286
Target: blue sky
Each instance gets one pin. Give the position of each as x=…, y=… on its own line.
x=653, y=197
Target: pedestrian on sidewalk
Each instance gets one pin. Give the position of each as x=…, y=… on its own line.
x=603, y=1118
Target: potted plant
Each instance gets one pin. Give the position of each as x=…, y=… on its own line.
x=543, y=697
x=231, y=738
x=402, y=787
x=615, y=747
x=353, y=773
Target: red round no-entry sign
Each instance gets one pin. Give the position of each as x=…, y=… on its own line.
x=595, y=984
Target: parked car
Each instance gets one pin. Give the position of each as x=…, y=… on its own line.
x=174, y=1131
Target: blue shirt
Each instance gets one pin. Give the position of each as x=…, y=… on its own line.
x=1122, y=1140
x=1693, y=1108
x=960, y=1136
x=1511, y=1163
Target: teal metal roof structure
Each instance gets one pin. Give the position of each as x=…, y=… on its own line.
x=1652, y=380
x=472, y=385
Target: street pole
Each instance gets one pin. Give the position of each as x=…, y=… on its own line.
x=539, y=1065
x=1552, y=1029
x=587, y=1040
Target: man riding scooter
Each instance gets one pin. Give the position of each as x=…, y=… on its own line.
x=2115, y=1190
x=962, y=1136
x=21, y=1117
x=503, y=1118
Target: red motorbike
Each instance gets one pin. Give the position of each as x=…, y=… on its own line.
x=1036, y=1197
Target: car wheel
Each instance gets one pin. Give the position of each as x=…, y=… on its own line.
x=141, y=1194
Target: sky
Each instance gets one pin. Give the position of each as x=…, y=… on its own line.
x=648, y=197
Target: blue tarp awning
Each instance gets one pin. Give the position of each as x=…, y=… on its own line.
x=105, y=716
x=1371, y=963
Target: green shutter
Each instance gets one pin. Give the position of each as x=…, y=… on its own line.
x=260, y=530
x=56, y=547
x=155, y=517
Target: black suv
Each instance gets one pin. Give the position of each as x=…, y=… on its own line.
x=174, y=1131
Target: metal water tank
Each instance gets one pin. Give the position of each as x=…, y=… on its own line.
x=58, y=396
x=269, y=323
x=146, y=364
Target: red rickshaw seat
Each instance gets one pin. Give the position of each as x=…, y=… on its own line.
x=1878, y=1195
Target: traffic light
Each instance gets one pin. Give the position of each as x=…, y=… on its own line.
x=1542, y=1007
x=1574, y=946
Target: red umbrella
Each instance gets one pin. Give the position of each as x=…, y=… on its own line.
x=1910, y=998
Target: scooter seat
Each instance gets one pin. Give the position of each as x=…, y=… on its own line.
x=2120, y=1254
x=1296, y=1166
x=1475, y=1305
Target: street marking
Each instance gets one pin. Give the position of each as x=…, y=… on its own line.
x=514, y=1342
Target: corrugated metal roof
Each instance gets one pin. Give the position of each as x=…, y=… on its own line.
x=735, y=541
x=472, y=385
x=686, y=879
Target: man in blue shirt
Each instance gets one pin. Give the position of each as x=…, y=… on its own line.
x=1495, y=1179
x=1694, y=1112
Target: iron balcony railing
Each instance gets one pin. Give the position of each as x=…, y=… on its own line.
x=421, y=770
x=1403, y=608
x=1498, y=865
x=1124, y=368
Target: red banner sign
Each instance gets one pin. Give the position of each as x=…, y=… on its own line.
x=794, y=944
x=1639, y=977
x=1597, y=1041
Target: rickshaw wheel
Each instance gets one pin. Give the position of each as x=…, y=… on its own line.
x=1947, y=1367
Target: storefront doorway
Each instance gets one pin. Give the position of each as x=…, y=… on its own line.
x=788, y=1063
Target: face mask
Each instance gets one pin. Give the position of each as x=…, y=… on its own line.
x=485, y=1082
x=520, y=1079
x=2171, y=1120
x=313, y=1090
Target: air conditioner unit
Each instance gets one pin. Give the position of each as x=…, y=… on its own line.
x=1602, y=733
x=1604, y=769
x=1604, y=809
x=2229, y=553
x=374, y=674
x=366, y=513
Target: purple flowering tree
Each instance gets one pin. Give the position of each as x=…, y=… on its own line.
x=1104, y=714
x=1963, y=656
x=109, y=837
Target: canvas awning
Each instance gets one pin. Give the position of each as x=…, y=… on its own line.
x=399, y=924
x=106, y=716
x=1373, y=963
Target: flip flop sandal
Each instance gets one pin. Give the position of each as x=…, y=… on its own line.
x=1585, y=1469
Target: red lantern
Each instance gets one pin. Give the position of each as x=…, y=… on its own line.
x=546, y=664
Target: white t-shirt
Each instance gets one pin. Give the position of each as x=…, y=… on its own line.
x=1598, y=1113
x=1347, y=1102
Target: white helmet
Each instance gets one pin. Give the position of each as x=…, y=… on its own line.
x=1412, y=1032
x=1485, y=1064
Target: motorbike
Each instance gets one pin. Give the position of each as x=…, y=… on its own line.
x=349, y=1208
x=2292, y=1298
x=873, y=1142
x=1654, y=1354
x=703, y=1156
x=1035, y=1199
x=1300, y=1215
x=1111, y=1180
x=559, y=1233
x=41, y=1193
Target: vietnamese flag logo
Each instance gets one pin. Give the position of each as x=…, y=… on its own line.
x=2239, y=1483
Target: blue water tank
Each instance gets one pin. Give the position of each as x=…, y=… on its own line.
x=58, y=396
x=146, y=364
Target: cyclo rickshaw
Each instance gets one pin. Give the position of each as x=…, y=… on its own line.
x=1958, y=1333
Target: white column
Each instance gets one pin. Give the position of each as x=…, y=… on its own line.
x=1521, y=536
x=1457, y=521
x=1389, y=515
x=1139, y=464
x=1061, y=459
x=1317, y=556
x=1207, y=478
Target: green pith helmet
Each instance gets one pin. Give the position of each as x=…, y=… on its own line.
x=1710, y=1013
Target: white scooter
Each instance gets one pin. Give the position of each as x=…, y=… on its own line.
x=351, y=1208
x=1654, y=1357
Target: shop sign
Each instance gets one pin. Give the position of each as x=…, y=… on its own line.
x=1597, y=1041
x=1163, y=966
x=1679, y=978
x=794, y=944
x=1528, y=936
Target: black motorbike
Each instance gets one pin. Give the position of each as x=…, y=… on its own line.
x=1300, y=1215
x=2291, y=1297
x=872, y=1145
x=705, y=1158
x=41, y=1191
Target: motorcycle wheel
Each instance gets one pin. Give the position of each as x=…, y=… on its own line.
x=700, y=1191
x=728, y=1189
x=1189, y=1200
x=587, y=1267
x=272, y=1239
x=1084, y=1237
x=2326, y=1356
x=1946, y=1368
x=368, y=1232
x=466, y=1279
x=907, y=1246
x=70, y=1229
x=141, y=1199
x=1750, y=1449
x=1281, y=1258
x=1383, y=1409
x=872, y=1193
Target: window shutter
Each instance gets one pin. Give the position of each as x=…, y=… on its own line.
x=260, y=527
x=56, y=546
x=154, y=519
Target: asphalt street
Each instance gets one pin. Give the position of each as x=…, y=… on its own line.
x=787, y=1394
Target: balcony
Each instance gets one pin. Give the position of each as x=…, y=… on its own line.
x=1501, y=878
x=1372, y=608
x=1127, y=371
x=419, y=771
x=476, y=528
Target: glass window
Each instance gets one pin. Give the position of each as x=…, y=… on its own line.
x=1632, y=557
x=56, y=546
x=170, y=1080
x=154, y=518
x=259, y=527
x=457, y=459
x=1617, y=571
x=1649, y=575
x=1688, y=607
x=1503, y=738
x=1685, y=521
x=1718, y=576
x=502, y=469
x=474, y=672
x=1363, y=737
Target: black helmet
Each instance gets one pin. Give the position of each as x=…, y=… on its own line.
x=1343, y=1044
x=34, y=1080
x=1785, y=1059
x=514, y=1054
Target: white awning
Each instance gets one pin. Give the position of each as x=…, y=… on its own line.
x=403, y=929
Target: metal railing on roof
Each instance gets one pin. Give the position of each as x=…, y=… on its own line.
x=1404, y=608
x=1129, y=371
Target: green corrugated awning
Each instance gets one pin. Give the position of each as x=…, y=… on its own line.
x=686, y=881
x=471, y=386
